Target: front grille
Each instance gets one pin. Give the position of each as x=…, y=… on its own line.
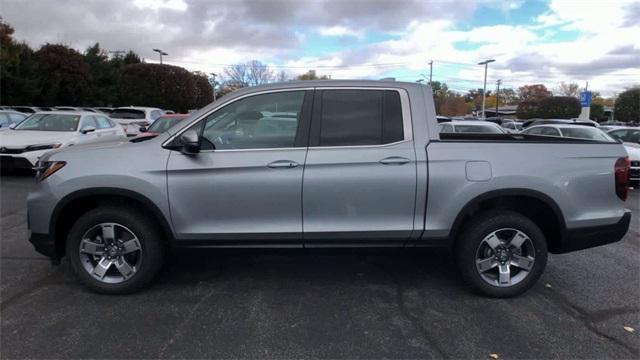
x=635, y=163
x=7, y=162
x=4, y=150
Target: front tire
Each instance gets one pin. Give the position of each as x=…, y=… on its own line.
x=501, y=253
x=115, y=250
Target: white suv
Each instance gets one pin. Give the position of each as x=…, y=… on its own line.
x=132, y=118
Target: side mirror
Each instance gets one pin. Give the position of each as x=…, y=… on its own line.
x=12, y=126
x=87, y=129
x=190, y=141
x=142, y=129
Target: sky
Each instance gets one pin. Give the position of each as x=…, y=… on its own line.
x=531, y=41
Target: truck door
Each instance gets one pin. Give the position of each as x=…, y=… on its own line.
x=359, y=182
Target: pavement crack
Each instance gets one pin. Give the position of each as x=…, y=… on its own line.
x=406, y=313
x=589, y=320
x=177, y=333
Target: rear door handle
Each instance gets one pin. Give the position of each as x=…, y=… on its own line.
x=280, y=164
x=394, y=160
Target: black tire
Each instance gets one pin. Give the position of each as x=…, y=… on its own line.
x=471, y=238
x=151, y=241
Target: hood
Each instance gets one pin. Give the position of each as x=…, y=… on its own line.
x=23, y=138
x=633, y=152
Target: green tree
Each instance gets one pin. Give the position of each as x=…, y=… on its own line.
x=163, y=86
x=596, y=112
x=19, y=83
x=105, y=75
x=64, y=76
x=627, y=107
x=131, y=58
x=528, y=110
x=203, y=90
x=559, y=107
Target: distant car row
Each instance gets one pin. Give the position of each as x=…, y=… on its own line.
x=629, y=136
x=24, y=142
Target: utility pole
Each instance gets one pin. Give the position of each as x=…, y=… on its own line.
x=484, y=91
x=498, y=95
x=161, y=53
x=213, y=75
x=430, y=71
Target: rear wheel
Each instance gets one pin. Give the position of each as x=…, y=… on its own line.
x=115, y=250
x=501, y=253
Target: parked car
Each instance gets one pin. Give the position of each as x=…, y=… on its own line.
x=162, y=124
x=534, y=122
x=471, y=126
x=441, y=119
x=104, y=109
x=68, y=108
x=361, y=164
x=26, y=142
x=30, y=109
x=132, y=118
x=512, y=127
x=9, y=117
x=570, y=131
x=630, y=136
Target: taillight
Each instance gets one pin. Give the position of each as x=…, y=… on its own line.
x=621, y=171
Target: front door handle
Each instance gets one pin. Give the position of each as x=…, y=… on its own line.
x=394, y=160
x=280, y=164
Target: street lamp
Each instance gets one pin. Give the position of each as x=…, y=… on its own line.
x=213, y=75
x=484, y=91
x=161, y=53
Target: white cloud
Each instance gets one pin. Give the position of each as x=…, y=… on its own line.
x=161, y=4
x=340, y=31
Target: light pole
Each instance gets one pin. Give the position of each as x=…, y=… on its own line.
x=161, y=53
x=213, y=75
x=430, y=70
x=484, y=91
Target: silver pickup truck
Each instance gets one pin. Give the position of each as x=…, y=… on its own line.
x=328, y=164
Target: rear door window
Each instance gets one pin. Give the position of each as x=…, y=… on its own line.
x=358, y=117
x=103, y=122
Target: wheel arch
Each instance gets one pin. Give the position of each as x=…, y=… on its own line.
x=73, y=205
x=541, y=208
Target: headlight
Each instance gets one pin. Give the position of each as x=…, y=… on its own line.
x=42, y=147
x=47, y=168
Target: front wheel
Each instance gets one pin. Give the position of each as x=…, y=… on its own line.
x=501, y=254
x=115, y=250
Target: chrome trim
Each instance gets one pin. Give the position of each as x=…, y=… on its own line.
x=407, y=125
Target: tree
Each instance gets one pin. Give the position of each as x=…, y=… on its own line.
x=627, y=107
x=559, y=107
x=64, y=76
x=203, y=90
x=311, y=75
x=18, y=70
x=131, y=58
x=596, y=111
x=163, y=86
x=535, y=92
x=528, y=110
x=105, y=75
x=252, y=73
x=440, y=93
x=568, y=89
x=453, y=106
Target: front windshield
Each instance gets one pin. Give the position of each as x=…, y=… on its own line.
x=163, y=124
x=586, y=133
x=50, y=122
x=482, y=129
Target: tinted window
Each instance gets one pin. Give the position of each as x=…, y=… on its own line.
x=89, y=121
x=627, y=135
x=103, y=122
x=260, y=121
x=360, y=117
x=586, y=133
x=534, y=131
x=548, y=131
x=127, y=114
x=163, y=124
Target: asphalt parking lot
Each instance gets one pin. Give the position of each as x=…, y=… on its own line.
x=316, y=304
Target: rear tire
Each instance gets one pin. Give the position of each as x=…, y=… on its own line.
x=115, y=250
x=501, y=253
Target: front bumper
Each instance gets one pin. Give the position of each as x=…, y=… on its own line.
x=588, y=237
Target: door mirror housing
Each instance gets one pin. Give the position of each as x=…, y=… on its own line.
x=142, y=129
x=12, y=126
x=190, y=141
x=87, y=129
